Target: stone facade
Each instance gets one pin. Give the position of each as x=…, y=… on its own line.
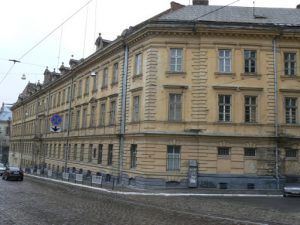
x=223, y=94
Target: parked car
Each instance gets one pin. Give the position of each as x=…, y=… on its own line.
x=2, y=168
x=13, y=172
x=291, y=189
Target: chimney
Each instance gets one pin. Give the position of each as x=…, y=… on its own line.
x=298, y=6
x=175, y=6
x=200, y=2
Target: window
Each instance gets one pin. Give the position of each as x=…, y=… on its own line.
x=84, y=118
x=87, y=86
x=81, y=152
x=75, y=152
x=79, y=93
x=250, y=109
x=290, y=153
x=223, y=151
x=105, y=78
x=138, y=64
x=173, y=158
x=110, y=154
x=249, y=152
x=100, y=153
x=102, y=114
x=59, y=151
x=115, y=73
x=225, y=60
x=68, y=95
x=73, y=92
x=63, y=98
x=112, y=112
x=136, y=109
x=250, y=61
x=133, y=151
x=93, y=116
x=175, y=107
x=95, y=79
x=90, y=152
x=289, y=64
x=176, y=60
x=77, y=124
x=224, y=108
x=290, y=110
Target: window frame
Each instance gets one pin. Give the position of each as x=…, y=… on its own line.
x=223, y=114
x=133, y=156
x=136, y=108
x=110, y=155
x=176, y=60
x=223, y=60
x=250, y=152
x=250, y=108
x=175, y=107
x=291, y=110
x=248, y=60
x=173, y=158
x=290, y=65
x=138, y=64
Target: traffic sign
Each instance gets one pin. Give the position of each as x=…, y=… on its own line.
x=55, y=129
x=56, y=120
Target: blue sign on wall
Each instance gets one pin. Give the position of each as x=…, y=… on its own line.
x=56, y=120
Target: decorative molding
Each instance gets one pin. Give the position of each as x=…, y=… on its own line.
x=171, y=86
x=237, y=88
x=136, y=89
x=289, y=90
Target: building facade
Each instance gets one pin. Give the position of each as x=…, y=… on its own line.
x=191, y=97
x=5, y=122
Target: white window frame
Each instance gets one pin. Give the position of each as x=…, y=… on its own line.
x=225, y=60
x=176, y=60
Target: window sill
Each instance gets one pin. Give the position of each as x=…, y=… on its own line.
x=290, y=77
x=137, y=76
x=224, y=74
x=250, y=157
x=251, y=75
x=175, y=73
x=291, y=159
x=224, y=157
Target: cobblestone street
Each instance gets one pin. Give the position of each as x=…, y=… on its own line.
x=40, y=202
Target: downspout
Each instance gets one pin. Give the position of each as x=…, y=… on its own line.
x=70, y=97
x=274, y=42
x=123, y=112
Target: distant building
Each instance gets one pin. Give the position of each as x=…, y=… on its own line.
x=197, y=96
x=5, y=122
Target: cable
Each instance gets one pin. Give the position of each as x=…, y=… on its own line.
x=222, y=7
x=55, y=29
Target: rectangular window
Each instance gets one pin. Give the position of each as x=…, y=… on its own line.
x=290, y=153
x=75, y=152
x=77, y=124
x=223, y=151
x=224, y=60
x=63, y=98
x=224, y=108
x=84, y=118
x=112, y=113
x=93, y=116
x=249, y=151
x=250, y=61
x=138, y=64
x=102, y=114
x=95, y=81
x=90, y=152
x=176, y=60
x=73, y=92
x=59, y=151
x=289, y=64
x=68, y=95
x=290, y=110
x=87, y=86
x=110, y=154
x=133, y=152
x=105, y=78
x=81, y=152
x=79, y=93
x=173, y=158
x=250, y=109
x=115, y=73
x=175, y=107
x=136, y=109
x=100, y=153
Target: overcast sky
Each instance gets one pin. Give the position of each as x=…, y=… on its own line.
x=26, y=22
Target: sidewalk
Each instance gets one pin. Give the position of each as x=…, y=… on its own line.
x=122, y=190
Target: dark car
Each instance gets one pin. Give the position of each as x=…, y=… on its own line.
x=292, y=189
x=14, y=173
x=2, y=168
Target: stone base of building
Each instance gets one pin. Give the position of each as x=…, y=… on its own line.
x=210, y=181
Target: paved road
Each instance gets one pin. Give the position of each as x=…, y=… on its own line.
x=35, y=201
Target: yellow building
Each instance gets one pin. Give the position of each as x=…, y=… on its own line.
x=198, y=95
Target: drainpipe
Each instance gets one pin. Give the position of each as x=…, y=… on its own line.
x=274, y=42
x=123, y=112
x=70, y=97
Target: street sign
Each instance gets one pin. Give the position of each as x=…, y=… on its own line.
x=56, y=120
x=55, y=129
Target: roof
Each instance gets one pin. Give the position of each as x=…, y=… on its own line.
x=236, y=14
